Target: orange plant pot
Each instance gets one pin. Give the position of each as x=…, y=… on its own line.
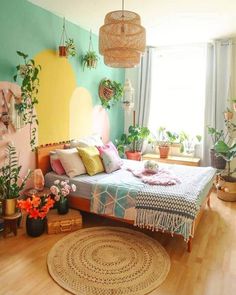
x=164, y=151
x=133, y=155
x=62, y=51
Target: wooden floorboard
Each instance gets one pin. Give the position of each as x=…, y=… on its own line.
x=210, y=269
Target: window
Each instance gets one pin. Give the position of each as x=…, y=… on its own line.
x=178, y=89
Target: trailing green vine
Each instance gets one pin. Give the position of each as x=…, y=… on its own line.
x=28, y=73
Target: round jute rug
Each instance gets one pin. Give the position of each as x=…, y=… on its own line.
x=108, y=261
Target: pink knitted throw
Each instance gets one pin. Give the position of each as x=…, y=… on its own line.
x=161, y=177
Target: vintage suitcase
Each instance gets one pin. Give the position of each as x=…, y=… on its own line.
x=63, y=223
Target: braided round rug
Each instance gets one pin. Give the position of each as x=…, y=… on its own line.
x=108, y=260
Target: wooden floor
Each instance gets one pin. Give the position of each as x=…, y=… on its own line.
x=210, y=269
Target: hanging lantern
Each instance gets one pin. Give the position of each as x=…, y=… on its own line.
x=128, y=98
x=122, y=39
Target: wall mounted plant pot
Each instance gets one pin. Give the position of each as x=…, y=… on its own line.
x=35, y=227
x=105, y=92
x=217, y=162
x=62, y=51
x=63, y=206
x=8, y=207
x=164, y=151
x=228, y=115
x=133, y=155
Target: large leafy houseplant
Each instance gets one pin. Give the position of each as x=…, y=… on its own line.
x=27, y=74
x=132, y=141
x=10, y=181
x=110, y=92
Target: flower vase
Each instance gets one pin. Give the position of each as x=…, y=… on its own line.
x=35, y=227
x=63, y=206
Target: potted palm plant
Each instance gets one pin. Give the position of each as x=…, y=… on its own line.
x=10, y=182
x=132, y=142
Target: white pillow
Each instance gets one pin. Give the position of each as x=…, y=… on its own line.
x=92, y=140
x=71, y=162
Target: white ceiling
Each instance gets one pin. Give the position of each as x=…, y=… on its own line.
x=166, y=21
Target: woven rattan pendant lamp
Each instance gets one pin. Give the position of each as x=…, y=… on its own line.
x=122, y=39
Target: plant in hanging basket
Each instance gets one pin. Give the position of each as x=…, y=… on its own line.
x=27, y=74
x=70, y=47
x=67, y=45
x=90, y=59
x=110, y=92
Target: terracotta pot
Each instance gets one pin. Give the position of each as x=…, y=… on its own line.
x=228, y=115
x=164, y=151
x=62, y=51
x=234, y=106
x=8, y=207
x=133, y=155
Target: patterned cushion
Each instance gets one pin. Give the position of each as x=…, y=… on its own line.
x=108, y=146
x=111, y=160
x=91, y=159
x=71, y=162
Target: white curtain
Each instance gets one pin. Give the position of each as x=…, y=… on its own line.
x=144, y=90
x=218, y=89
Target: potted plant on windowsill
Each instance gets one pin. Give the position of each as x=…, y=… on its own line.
x=228, y=114
x=133, y=142
x=10, y=182
x=164, y=140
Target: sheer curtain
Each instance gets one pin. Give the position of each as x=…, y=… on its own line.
x=144, y=88
x=218, y=89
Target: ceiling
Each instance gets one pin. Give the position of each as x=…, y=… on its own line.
x=166, y=21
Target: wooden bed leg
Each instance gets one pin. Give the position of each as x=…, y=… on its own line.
x=190, y=244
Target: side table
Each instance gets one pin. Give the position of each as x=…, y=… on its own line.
x=10, y=224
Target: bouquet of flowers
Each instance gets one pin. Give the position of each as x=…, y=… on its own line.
x=61, y=189
x=36, y=207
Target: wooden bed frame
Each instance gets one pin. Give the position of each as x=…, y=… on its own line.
x=77, y=202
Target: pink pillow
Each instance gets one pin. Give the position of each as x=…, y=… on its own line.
x=57, y=167
x=107, y=147
x=111, y=160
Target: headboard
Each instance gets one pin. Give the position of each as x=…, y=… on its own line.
x=43, y=155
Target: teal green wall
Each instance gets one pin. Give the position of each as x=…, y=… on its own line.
x=30, y=29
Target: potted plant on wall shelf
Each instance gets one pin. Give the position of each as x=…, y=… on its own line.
x=9, y=181
x=110, y=92
x=27, y=74
x=133, y=141
x=90, y=59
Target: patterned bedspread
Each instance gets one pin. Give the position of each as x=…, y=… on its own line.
x=169, y=208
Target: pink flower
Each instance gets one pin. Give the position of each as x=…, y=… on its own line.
x=57, y=198
x=54, y=190
x=65, y=192
x=73, y=187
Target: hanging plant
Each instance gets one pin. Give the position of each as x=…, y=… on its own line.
x=67, y=45
x=110, y=92
x=91, y=58
x=28, y=73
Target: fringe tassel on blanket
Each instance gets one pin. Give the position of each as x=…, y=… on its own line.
x=164, y=221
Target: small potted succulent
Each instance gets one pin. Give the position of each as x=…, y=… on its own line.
x=90, y=60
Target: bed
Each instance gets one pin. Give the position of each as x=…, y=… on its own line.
x=174, y=209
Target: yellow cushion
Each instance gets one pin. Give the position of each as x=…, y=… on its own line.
x=91, y=159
